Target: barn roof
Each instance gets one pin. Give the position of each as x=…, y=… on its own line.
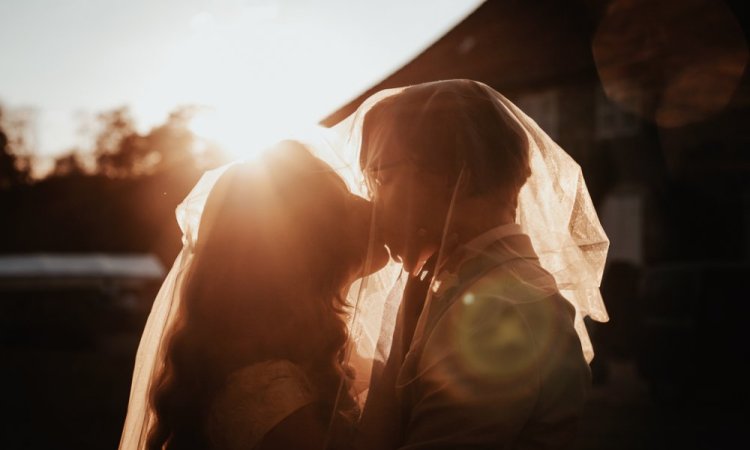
x=509, y=45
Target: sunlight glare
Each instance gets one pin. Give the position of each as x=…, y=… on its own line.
x=252, y=94
x=241, y=133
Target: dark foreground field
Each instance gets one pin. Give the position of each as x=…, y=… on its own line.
x=76, y=399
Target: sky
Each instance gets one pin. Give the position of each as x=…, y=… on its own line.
x=258, y=67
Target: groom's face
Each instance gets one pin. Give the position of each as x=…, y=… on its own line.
x=410, y=207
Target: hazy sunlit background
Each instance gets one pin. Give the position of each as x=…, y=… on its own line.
x=256, y=68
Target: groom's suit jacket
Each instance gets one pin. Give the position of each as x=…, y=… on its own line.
x=490, y=360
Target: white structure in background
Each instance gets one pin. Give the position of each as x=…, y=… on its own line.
x=118, y=277
x=54, y=270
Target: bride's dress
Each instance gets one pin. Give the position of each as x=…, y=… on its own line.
x=254, y=400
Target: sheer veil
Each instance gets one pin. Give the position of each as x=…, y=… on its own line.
x=554, y=209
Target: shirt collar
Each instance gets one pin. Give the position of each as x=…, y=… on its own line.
x=478, y=244
x=482, y=241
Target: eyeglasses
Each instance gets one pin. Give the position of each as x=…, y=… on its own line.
x=374, y=176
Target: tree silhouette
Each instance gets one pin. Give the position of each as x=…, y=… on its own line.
x=14, y=170
x=122, y=152
x=69, y=164
x=118, y=195
x=171, y=144
x=116, y=146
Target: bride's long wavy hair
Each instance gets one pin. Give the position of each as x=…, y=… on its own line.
x=267, y=280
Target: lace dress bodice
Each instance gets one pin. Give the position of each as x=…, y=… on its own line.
x=255, y=399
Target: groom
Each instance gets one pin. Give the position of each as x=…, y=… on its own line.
x=484, y=352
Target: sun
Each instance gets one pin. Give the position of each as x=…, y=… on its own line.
x=240, y=132
x=253, y=82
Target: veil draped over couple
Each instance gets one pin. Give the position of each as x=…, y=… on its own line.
x=415, y=279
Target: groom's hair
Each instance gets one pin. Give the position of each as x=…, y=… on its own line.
x=447, y=127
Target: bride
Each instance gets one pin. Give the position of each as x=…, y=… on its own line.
x=255, y=354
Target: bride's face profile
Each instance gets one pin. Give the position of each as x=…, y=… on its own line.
x=299, y=214
x=366, y=240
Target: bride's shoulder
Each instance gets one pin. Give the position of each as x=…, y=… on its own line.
x=256, y=398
